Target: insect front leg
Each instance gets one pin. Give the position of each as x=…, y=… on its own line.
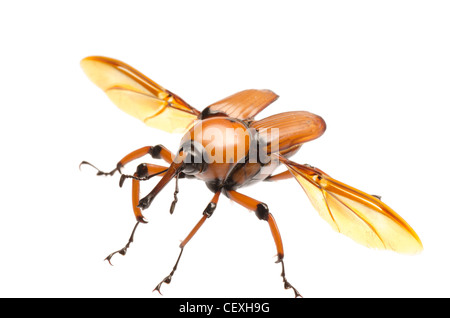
x=157, y=152
x=206, y=214
x=144, y=172
x=262, y=212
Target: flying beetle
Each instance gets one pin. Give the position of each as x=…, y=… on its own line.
x=227, y=148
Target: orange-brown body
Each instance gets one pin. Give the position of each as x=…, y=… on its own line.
x=236, y=153
x=225, y=147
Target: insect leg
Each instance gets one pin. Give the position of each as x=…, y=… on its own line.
x=175, y=198
x=262, y=212
x=144, y=172
x=157, y=152
x=280, y=176
x=206, y=214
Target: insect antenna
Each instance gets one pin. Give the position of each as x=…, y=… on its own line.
x=125, y=176
x=175, y=198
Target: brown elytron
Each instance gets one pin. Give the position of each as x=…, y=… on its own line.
x=225, y=147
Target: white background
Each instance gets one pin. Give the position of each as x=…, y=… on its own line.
x=378, y=72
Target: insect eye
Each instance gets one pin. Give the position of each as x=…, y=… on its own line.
x=193, y=162
x=192, y=165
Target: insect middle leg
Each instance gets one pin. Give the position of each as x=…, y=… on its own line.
x=144, y=172
x=262, y=212
x=206, y=214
